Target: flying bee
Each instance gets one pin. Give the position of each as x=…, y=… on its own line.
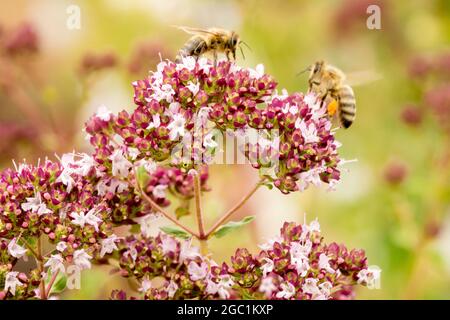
x=327, y=81
x=212, y=40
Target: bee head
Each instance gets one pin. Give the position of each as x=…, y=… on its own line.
x=317, y=67
x=234, y=40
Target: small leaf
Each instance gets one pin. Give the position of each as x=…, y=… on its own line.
x=232, y=225
x=177, y=233
x=60, y=284
x=135, y=229
x=142, y=176
x=246, y=295
x=181, y=212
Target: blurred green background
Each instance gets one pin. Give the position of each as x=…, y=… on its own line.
x=393, y=202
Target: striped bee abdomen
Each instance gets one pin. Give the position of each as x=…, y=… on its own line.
x=194, y=47
x=347, y=106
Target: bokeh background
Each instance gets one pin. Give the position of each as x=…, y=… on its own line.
x=394, y=201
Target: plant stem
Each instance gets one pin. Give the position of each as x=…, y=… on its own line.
x=52, y=281
x=40, y=264
x=199, y=214
x=161, y=210
x=198, y=205
x=236, y=207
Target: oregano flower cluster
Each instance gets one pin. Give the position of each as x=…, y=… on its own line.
x=64, y=214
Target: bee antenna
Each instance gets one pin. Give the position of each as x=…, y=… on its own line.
x=245, y=43
x=242, y=51
x=303, y=71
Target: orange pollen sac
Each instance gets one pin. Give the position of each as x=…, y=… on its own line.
x=332, y=107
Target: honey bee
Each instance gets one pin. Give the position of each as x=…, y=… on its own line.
x=212, y=40
x=327, y=81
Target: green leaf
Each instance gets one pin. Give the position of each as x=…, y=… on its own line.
x=142, y=176
x=181, y=212
x=135, y=229
x=177, y=233
x=232, y=225
x=60, y=283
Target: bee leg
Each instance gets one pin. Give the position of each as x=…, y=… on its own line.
x=227, y=54
x=215, y=58
x=324, y=99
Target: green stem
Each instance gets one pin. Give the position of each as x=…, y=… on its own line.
x=235, y=208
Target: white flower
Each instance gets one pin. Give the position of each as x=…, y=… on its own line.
x=314, y=226
x=307, y=229
x=150, y=166
x=187, y=62
x=211, y=287
x=301, y=265
x=11, y=282
x=223, y=286
x=55, y=263
x=293, y=109
x=288, y=290
x=370, y=276
x=311, y=100
x=15, y=250
x=187, y=251
x=165, y=92
x=267, y=266
x=160, y=67
x=324, y=263
x=176, y=127
x=325, y=289
x=86, y=163
x=299, y=250
x=267, y=286
x=35, y=205
x=174, y=107
x=258, y=72
x=290, y=108
x=208, y=141
x=132, y=253
x=193, y=87
x=197, y=272
x=108, y=245
x=103, y=113
x=79, y=167
x=81, y=259
x=115, y=185
x=147, y=222
x=299, y=256
x=133, y=153
x=201, y=117
x=311, y=176
x=146, y=285
x=168, y=244
x=66, y=179
x=309, y=133
x=155, y=123
x=159, y=191
x=61, y=246
x=92, y=219
x=269, y=244
x=203, y=64
x=172, y=289
x=62, y=213
x=81, y=219
x=120, y=165
x=310, y=286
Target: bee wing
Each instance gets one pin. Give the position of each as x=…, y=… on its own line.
x=195, y=31
x=359, y=78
